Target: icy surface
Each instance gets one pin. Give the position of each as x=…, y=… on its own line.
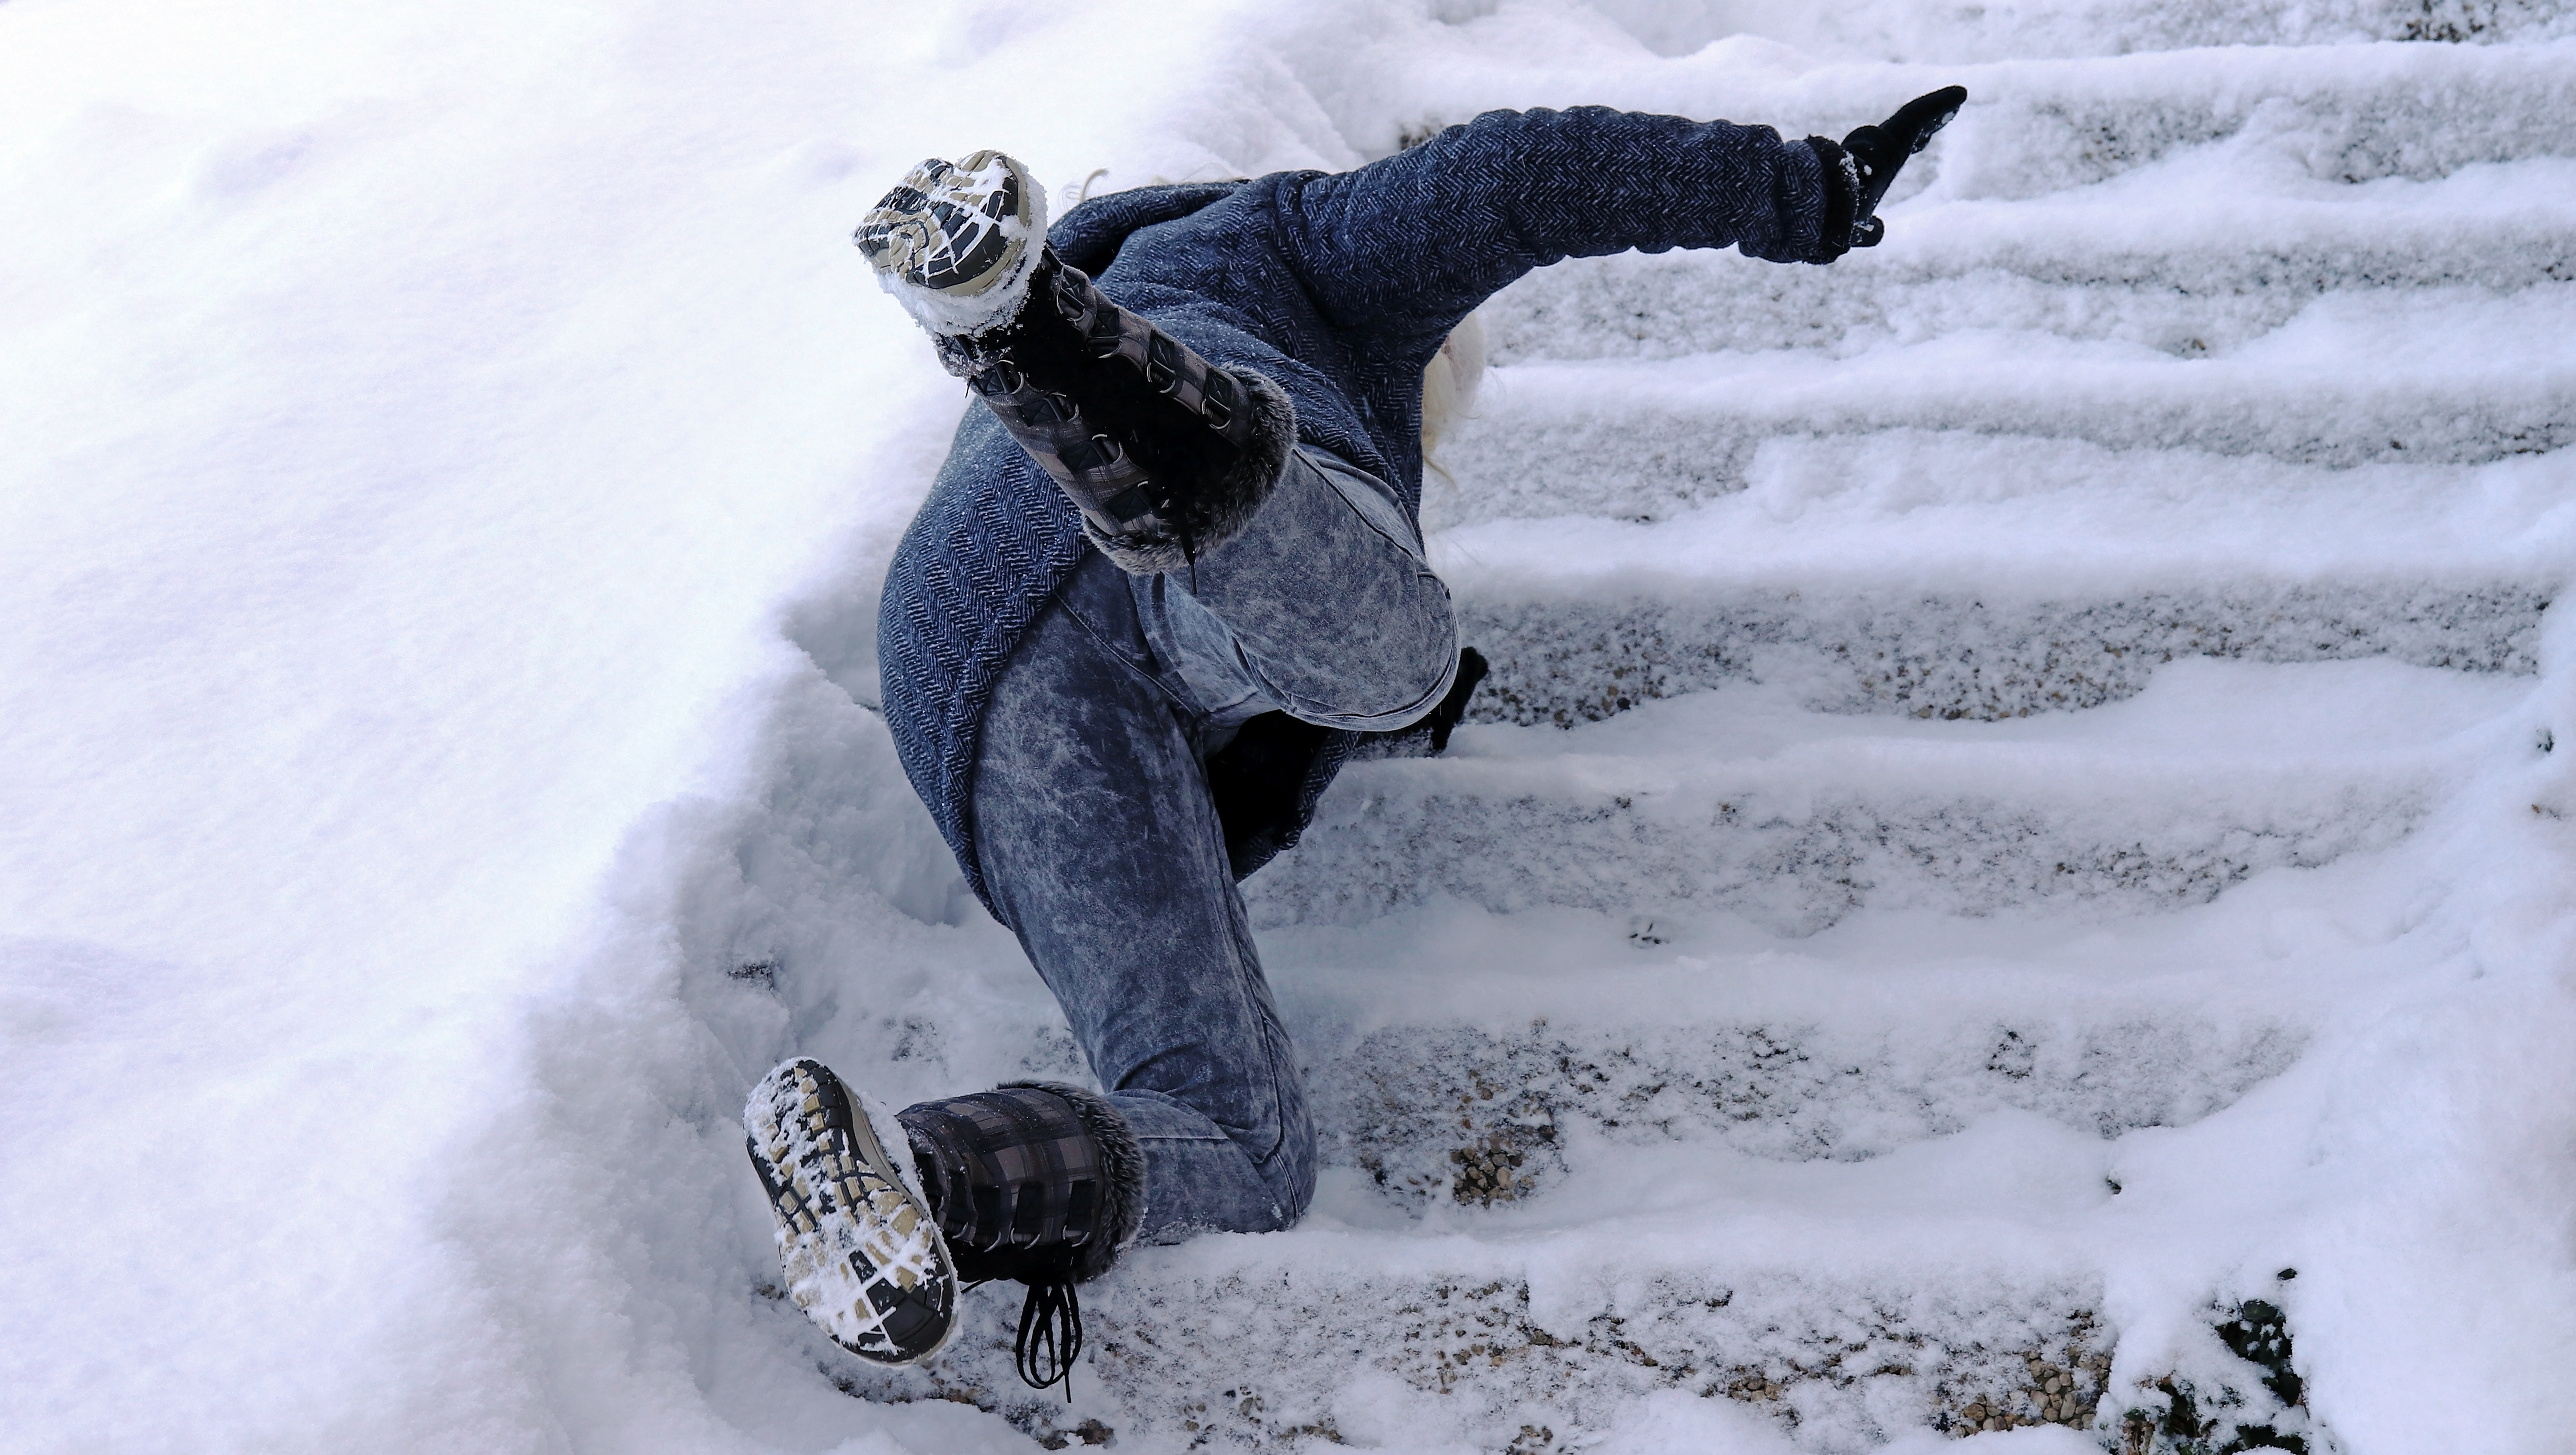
x=2020, y=797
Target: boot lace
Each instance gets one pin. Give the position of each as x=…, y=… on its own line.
x=1050, y=1337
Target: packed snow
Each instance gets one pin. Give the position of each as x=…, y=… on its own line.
x=2016, y=849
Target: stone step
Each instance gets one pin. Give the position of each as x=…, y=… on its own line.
x=1459, y=1057
x=2037, y=124
x=1954, y=31
x=2083, y=266
x=1518, y=1068
x=1857, y=1359
x=1893, y=573
x=1740, y=800
x=1561, y=662
x=1819, y=1298
x=2454, y=380
x=2334, y=114
x=1895, y=576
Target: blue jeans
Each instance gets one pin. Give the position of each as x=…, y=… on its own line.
x=1102, y=846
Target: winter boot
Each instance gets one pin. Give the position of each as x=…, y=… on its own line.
x=1038, y=1182
x=1166, y=455
x=860, y=1249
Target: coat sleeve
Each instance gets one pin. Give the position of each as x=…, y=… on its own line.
x=1405, y=247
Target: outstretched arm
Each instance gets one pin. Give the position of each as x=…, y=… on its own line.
x=1408, y=245
x=1405, y=247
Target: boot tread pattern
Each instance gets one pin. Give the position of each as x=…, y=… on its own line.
x=941, y=227
x=859, y=1254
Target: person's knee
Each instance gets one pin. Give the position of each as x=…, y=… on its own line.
x=1392, y=677
x=1289, y=1171
x=1429, y=665
x=1294, y=1188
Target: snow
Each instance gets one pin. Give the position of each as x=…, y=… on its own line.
x=449, y=453
x=1023, y=224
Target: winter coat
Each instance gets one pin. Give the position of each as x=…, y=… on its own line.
x=1340, y=286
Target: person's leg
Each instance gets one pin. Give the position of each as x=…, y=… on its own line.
x=1103, y=851
x=1102, y=846
x=1322, y=608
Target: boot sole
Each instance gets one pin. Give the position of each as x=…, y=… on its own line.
x=861, y=1254
x=943, y=228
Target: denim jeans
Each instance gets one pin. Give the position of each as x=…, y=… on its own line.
x=1102, y=846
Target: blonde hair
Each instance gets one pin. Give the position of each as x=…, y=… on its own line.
x=1449, y=384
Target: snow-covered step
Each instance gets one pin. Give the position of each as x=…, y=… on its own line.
x=1893, y=572
x=1473, y=1109
x=2101, y=264
x=1940, y=1287
x=1563, y=662
x=1949, y=32
x=2342, y=114
x=1740, y=800
x=2450, y=379
x=1465, y=1115
x=2336, y=113
x=1459, y=1345
x=2171, y=505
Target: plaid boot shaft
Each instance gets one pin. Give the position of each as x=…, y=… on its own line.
x=1039, y=1182
x=1102, y=479
x=1030, y=1178
x=1014, y=1176
x=1163, y=452
x=1168, y=366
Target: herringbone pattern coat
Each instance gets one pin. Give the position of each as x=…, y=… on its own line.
x=1341, y=287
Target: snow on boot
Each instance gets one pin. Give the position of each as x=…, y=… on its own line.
x=859, y=1248
x=1039, y=1182
x=955, y=242
x=1166, y=455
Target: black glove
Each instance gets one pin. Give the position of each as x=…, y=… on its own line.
x=1878, y=153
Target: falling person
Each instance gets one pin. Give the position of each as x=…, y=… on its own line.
x=1169, y=579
